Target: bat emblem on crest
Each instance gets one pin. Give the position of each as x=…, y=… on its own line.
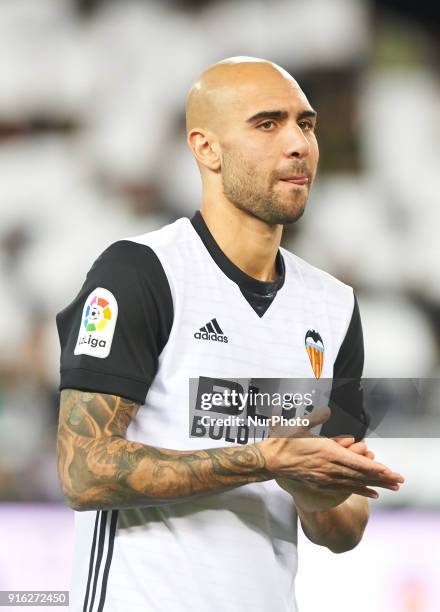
x=315, y=351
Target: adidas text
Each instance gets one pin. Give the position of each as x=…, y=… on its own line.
x=206, y=336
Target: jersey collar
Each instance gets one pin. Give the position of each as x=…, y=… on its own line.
x=259, y=294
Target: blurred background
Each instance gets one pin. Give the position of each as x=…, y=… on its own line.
x=92, y=149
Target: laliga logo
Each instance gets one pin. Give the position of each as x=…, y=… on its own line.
x=98, y=314
x=98, y=322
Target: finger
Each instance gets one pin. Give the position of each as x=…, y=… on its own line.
x=390, y=487
x=393, y=476
x=344, y=441
x=355, y=481
x=366, y=492
x=373, y=479
x=358, y=447
x=365, y=476
x=348, y=487
x=361, y=448
x=366, y=466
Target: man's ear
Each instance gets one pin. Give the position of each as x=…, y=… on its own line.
x=205, y=148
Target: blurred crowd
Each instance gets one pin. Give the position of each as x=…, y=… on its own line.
x=92, y=150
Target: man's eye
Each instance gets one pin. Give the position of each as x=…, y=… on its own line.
x=306, y=125
x=267, y=124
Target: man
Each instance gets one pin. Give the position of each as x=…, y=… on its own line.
x=179, y=523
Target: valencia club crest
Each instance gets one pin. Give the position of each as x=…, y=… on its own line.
x=315, y=350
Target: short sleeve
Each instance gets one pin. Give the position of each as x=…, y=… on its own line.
x=347, y=397
x=113, y=332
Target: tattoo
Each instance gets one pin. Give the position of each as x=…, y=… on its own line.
x=100, y=469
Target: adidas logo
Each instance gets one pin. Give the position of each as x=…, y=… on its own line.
x=211, y=331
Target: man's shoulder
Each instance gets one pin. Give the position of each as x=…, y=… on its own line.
x=167, y=235
x=141, y=250
x=314, y=277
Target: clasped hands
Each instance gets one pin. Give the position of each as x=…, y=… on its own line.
x=326, y=471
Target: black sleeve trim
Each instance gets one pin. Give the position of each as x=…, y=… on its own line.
x=99, y=382
x=349, y=362
x=133, y=273
x=347, y=398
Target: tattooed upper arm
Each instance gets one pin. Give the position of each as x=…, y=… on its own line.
x=87, y=423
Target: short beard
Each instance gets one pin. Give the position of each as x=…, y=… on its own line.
x=246, y=191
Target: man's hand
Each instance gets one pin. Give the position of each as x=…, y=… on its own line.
x=326, y=463
x=332, y=518
x=310, y=498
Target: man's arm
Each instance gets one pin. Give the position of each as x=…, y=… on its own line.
x=341, y=528
x=100, y=469
x=335, y=519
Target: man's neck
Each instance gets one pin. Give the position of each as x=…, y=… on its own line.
x=251, y=244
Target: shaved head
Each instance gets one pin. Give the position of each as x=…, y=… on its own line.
x=222, y=85
x=251, y=130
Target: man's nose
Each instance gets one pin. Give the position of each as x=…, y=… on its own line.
x=297, y=144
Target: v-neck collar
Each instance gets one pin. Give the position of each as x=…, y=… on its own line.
x=259, y=294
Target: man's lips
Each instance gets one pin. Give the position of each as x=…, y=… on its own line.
x=296, y=180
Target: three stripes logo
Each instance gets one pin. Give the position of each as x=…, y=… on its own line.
x=211, y=331
x=315, y=350
x=101, y=554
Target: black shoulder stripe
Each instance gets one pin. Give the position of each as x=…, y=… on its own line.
x=135, y=277
x=349, y=362
x=141, y=257
x=346, y=401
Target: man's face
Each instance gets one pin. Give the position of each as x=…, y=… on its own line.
x=269, y=151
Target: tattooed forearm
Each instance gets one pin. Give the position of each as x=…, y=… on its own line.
x=100, y=469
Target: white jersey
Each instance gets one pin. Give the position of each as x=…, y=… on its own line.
x=184, y=311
